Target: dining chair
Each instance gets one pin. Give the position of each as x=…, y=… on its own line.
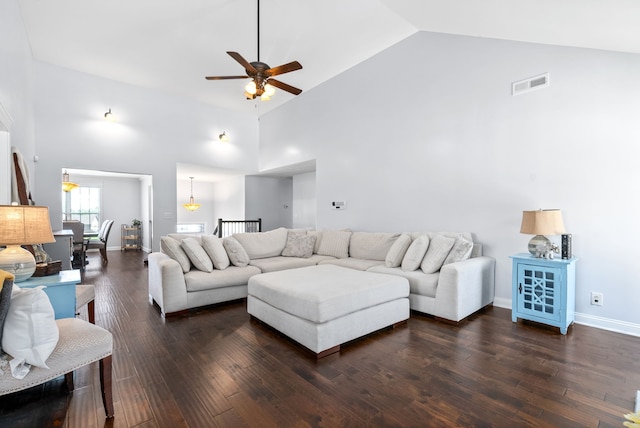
x=101, y=242
x=79, y=242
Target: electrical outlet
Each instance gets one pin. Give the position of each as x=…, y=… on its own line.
x=596, y=298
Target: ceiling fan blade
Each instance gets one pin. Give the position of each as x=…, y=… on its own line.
x=285, y=68
x=225, y=77
x=243, y=62
x=284, y=86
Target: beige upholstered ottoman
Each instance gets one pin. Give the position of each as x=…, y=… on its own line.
x=324, y=306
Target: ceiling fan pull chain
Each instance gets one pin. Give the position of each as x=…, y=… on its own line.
x=258, y=30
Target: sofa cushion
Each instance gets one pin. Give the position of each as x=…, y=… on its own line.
x=352, y=263
x=415, y=253
x=317, y=258
x=370, y=245
x=214, y=248
x=439, y=248
x=197, y=255
x=197, y=280
x=263, y=244
x=335, y=243
x=420, y=283
x=171, y=247
x=299, y=244
x=397, y=251
x=273, y=264
x=461, y=251
x=181, y=236
x=431, y=235
x=237, y=255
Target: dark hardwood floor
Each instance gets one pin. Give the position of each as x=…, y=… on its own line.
x=217, y=368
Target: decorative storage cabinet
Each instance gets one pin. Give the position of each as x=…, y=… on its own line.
x=61, y=289
x=131, y=237
x=544, y=290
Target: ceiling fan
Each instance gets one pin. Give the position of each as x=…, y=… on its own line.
x=262, y=82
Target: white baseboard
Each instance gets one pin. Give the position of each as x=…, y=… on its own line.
x=589, y=320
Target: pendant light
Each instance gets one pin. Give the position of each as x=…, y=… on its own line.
x=67, y=185
x=191, y=206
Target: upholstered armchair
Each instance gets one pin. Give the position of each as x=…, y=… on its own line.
x=79, y=343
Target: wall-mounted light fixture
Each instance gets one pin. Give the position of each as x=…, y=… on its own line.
x=191, y=206
x=109, y=116
x=68, y=185
x=224, y=137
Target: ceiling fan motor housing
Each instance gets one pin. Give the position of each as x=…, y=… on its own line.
x=259, y=77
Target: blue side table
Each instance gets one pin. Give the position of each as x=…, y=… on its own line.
x=544, y=290
x=61, y=289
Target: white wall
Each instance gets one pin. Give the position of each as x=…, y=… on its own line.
x=16, y=85
x=146, y=211
x=304, y=200
x=440, y=144
x=229, y=198
x=271, y=199
x=153, y=132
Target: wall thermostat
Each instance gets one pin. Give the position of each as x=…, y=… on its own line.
x=339, y=205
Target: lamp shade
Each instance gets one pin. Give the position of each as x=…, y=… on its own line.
x=22, y=225
x=542, y=222
x=25, y=225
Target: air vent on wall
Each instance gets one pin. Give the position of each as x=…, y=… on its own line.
x=530, y=84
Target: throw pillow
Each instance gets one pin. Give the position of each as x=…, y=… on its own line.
x=237, y=255
x=197, y=254
x=335, y=243
x=415, y=253
x=318, y=235
x=371, y=245
x=299, y=244
x=214, y=248
x=259, y=245
x=171, y=247
x=6, y=284
x=397, y=251
x=438, y=250
x=461, y=251
x=30, y=330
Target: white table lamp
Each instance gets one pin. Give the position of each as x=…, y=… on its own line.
x=541, y=223
x=22, y=225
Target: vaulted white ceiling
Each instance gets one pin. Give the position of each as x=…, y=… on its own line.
x=170, y=45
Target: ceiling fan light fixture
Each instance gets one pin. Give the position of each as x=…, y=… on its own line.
x=269, y=90
x=251, y=88
x=260, y=73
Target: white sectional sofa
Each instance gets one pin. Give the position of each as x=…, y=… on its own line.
x=449, y=277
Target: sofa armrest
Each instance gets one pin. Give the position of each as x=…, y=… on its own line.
x=465, y=287
x=166, y=283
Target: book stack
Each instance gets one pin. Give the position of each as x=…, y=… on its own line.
x=567, y=251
